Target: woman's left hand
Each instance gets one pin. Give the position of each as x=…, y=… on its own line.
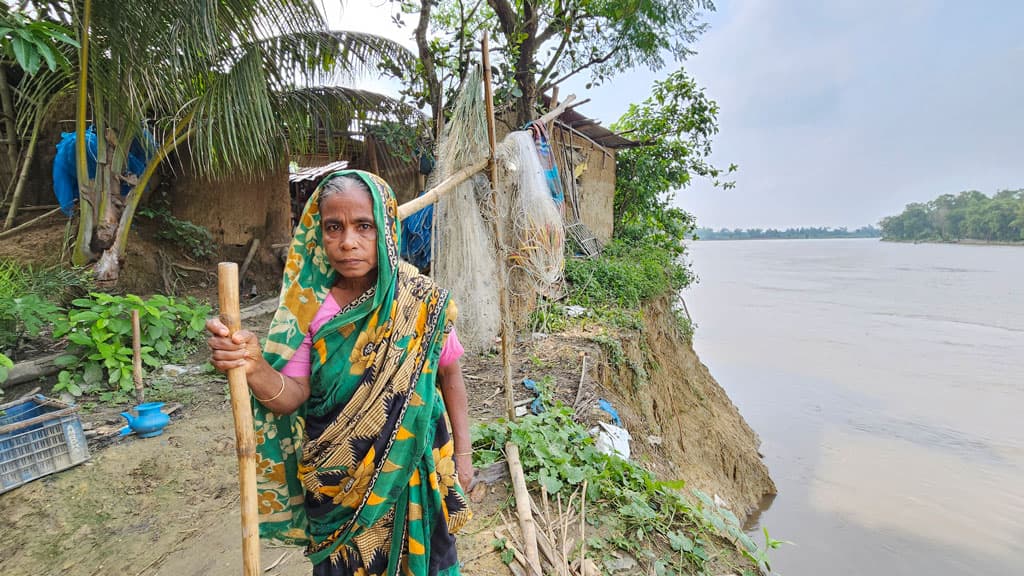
x=464, y=467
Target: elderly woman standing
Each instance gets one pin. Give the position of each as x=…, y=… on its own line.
x=360, y=408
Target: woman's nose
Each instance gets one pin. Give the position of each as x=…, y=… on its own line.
x=348, y=239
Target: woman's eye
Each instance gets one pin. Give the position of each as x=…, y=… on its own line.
x=365, y=226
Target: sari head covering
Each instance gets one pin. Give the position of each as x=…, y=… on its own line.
x=364, y=468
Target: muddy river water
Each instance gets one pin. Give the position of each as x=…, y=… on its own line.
x=887, y=384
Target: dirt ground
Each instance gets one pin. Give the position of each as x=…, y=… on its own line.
x=169, y=505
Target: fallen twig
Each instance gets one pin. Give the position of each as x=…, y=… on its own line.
x=279, y=560
x=579, y=388
x=29, y=223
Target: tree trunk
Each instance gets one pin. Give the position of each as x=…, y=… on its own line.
x=525, y=75
x=10, y=126
x=433, y=84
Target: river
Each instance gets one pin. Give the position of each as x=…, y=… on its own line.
x=886, y=382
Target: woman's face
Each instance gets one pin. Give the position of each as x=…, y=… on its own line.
x=350, y=233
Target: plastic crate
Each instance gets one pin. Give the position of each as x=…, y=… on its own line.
x=38, y=436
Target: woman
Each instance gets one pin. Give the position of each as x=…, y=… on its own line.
x=360, y=407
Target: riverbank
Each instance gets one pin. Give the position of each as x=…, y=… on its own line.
x=169, y=505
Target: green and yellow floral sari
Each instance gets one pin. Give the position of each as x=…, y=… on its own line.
x=363, y=473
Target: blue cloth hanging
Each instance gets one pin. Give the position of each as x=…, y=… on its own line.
x=547, y=160
x=416, y=237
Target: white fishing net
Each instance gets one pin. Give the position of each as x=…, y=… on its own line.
x=464, y=261
x=535, y=237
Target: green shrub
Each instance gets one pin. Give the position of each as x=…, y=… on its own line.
x=25, y=317
x=196, y=239
x=639, y=510
x=629, y=272
x=99, y=332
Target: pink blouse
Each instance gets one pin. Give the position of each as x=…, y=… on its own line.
x=299, y=365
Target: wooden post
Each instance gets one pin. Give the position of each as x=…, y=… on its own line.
x=245, y=434
x=137, y=357
x=499, y=242
x=515, y=467
x=526, y=523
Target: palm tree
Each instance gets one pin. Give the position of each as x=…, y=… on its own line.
x=239, y=81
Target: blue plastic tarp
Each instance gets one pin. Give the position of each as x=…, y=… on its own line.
x=65, y=174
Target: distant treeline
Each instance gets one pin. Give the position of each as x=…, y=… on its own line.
x=772, y=233
x=969, y=215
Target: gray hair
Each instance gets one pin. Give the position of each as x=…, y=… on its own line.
x=339, y=184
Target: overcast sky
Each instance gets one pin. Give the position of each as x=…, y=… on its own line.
x=841, y=112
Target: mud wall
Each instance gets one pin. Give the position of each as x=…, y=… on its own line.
x=235, y=210
x=666, y=392
x=593, y=167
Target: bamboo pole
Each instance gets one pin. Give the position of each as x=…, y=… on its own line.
x=499, y=242
x=137, y=357
x=447, y=185
x=557, y=110
x=29, y=223
x=526, y=523
x=19, y=189
x=245, y=434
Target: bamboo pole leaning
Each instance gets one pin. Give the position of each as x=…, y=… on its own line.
x=526, y=523
x=434, y=194
x=245, y=434
x=29, y=223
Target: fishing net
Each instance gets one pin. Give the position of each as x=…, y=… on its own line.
x=535, y=234
x=465, y=261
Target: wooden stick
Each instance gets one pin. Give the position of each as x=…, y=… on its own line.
x=557, y=110
x=416, y=204
x=29, y=223
x=245, y=434
x=248, y=257
x=565, y=532
x=137, y=357
x=583, y=525
x=546, y=540
x=526, y=523
x=579, y=388
x=433, y=239
x=489, y=102
x=499, y=244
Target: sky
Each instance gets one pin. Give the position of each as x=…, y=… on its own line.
x=838, y=113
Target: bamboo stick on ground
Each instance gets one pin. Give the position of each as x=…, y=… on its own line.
x=245, y=434
x=583, y=525
x=29, y=223
x=526, y=522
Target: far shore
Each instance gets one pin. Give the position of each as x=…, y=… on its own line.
x=965, y=241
